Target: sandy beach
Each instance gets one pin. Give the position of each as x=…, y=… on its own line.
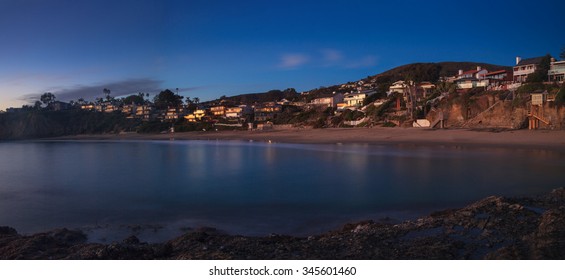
x=377, y=136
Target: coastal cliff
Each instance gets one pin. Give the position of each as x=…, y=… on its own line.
x=493, y=228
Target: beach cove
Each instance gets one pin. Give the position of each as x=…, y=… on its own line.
x=167, y=185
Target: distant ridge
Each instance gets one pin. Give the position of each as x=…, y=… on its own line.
x=251, y=98
x=431, y=72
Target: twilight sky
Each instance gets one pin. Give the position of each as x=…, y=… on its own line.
x=75, y=48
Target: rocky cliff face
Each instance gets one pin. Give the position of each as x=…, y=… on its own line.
x=489, y=112
x=493, y=228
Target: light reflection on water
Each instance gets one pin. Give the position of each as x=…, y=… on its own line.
x=157, y=189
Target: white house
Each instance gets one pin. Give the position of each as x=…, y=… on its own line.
x=556, y=71
x=525, y=67
x=478, y=74
x=398, y=86
x=329, y=101
x=472, y=78
x=238, y=112
x=354, y=99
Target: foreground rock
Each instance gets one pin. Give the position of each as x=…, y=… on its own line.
x=493, y=228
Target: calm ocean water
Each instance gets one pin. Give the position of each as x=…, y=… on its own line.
x=159, y=189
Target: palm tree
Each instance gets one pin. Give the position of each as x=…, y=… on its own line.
x=107, y=93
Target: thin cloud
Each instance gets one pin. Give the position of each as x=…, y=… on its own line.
x=91, y=92
x=289, y=61
x=367, y=61
x=331, y=56
x=188, y=89
x=326, y=58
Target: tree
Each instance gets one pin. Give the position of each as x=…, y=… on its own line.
x=37, y=105
x=167, y=98
x=47, y=98
x=107, y=93
x=540, y=75
x=445, y=87
x=135, y=99
x=196, y=100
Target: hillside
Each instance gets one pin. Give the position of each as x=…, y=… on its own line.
x=251, y=98
x=38, y=124
x=418, y=72
x=431, y=72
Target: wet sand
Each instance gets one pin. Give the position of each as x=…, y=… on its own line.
x=378, y=136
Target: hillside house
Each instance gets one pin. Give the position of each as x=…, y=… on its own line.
x=398, y=87
x=328, y=101
x=525, y=67
x=109, y=108
x=354, y=99
x=556, y=71
x=173, y=114
x=218, y=111
x=88, y=107
x=471, y=78
x=266, y=111
x=499, y=80
x=196, y=116
x=145, y=112
x=283, y=102
x=500, y=75
x=238, y=112
x=478, y=74
x=234, y=112
x=129, y=110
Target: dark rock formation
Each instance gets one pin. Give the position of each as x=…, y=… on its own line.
x=493, y=228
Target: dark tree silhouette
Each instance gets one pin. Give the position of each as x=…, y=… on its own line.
x=107, y=93
x=47, y=98
x=167, y=98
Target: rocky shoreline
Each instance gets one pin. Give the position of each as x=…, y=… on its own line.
x=493, y=228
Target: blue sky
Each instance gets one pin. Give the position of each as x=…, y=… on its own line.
x=211, y=48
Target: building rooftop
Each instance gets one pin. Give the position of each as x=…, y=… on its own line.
x=528, y=61
x=496, y=72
